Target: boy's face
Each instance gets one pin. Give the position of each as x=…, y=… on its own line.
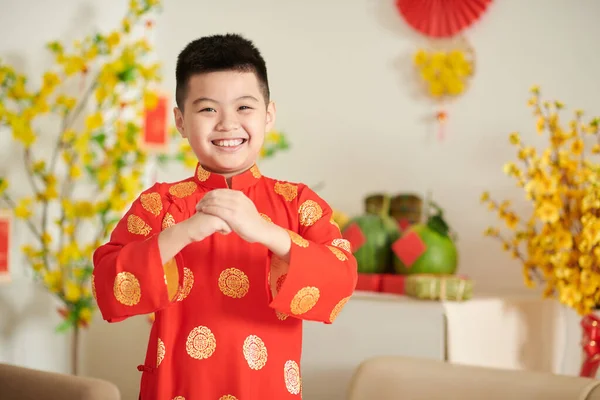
x=225, y=119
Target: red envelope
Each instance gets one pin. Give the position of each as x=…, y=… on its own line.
x=156, y=134
x=409, y=248
x=5, y=222
x=355, y=236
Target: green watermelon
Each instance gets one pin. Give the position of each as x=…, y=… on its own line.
x=440, y=256
x=380, y=231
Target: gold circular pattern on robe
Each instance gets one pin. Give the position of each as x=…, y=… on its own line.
x=338, y=308
x=152, y=203
x=305, y=300
x=266, y=217
x=255, y=352
x=201, y=343
x=228, y=397
x=338, y=253
x=234, y=283
x=310, y=212
x=255, y=171
x=297, y=239
x=202, y=174
x=168, y=221
x=281, y=316
x=291, y=375
x=127, y=289
x=287, y=190
x=160, y=352
x=342, y=244
x=94, y=287
x=183, y=189
x=137, y=225
x=188, y=283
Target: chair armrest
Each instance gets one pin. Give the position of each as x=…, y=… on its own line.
x=19, y=383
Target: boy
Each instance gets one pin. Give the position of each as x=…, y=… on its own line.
x=230, y=261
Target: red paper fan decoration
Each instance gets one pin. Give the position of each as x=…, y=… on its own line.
x=441, y=18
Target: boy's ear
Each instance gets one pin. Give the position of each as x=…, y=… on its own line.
x=270, y=121
x=178, y=116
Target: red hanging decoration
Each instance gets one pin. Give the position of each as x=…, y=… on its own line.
x=441, y=18
x=590, y=326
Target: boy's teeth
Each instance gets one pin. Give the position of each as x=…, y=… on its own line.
x=228, y=143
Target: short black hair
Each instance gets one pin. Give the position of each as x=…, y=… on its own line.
x=228, y=52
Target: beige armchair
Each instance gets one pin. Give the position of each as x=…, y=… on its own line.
x=19, y=383
x=393, y=378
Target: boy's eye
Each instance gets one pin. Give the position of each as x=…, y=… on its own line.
x=208, y=109
x=245, y=108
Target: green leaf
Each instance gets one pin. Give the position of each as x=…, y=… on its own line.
x=100, y=139
x=64, y=326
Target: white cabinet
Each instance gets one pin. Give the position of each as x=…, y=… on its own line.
x=370, y=325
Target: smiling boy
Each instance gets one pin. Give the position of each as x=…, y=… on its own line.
x=230, y=261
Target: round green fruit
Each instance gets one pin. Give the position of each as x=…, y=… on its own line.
x=440, y=256
x=374, y=256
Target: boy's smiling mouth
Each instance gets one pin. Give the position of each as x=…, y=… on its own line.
x=229, y=142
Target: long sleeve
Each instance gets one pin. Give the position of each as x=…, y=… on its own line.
x=129, y=277
x=322, y=271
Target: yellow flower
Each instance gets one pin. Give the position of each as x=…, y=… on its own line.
x=53, y=280
x=94, y=121
x=85, y=315
x=514, y=138
x=23, y=208
x=72, y=292
x=420, y=58
x=548, y=212
x=541, y=124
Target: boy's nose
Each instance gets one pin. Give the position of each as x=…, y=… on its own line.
x=227, y=124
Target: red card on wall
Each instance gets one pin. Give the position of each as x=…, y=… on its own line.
x=355, y=236
x=5, y=234
x=156, y=132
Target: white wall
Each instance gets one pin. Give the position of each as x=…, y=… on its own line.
x=338, y=74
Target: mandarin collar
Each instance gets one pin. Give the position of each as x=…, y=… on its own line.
x=212, y=180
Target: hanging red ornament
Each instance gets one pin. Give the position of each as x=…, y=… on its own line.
x=441, y=18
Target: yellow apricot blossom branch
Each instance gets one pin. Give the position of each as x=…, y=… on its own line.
x=560, y=242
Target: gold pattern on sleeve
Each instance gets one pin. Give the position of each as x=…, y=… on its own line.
x=338, y=253
x=291, y=375
x=137, y=226
x=310, y=212
x=297, y=239
x=305, y=300
x=234, y=283
x=183, y=189
x=152, y=203
x=281, y=316
x=168, y=221
x=201, y=343
x=338, y=308
x=255, y=352
x=94, y=287
x=332, y=222
x=266, y=217
x=160, y=352
x=228, y=397
x=188, y=283
x=127, y=289
x=287, y=190
x=202, y=174
x=255, y=171
x=342, y=244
